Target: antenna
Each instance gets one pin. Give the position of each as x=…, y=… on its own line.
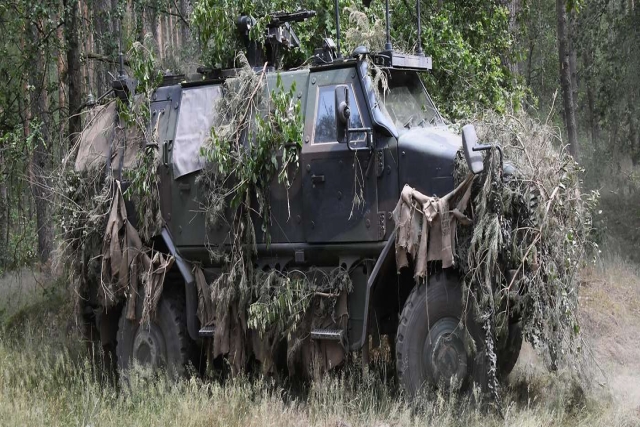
x=387, y=45
x=337, y=12
x=120, y=55
x=419, y=51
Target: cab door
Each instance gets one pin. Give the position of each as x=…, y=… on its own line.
x=340, y=199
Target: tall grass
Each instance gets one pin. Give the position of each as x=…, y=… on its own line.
x=45, y=379
x=43, y=385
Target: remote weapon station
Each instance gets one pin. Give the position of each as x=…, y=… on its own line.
x=357, y=141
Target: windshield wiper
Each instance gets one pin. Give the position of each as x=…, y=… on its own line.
x=408, y=123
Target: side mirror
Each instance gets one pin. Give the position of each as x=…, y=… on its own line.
x=471, y=151
x=343, y=113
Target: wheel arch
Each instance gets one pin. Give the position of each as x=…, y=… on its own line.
x=191, y=292
x=378, y=281
x=387, y=291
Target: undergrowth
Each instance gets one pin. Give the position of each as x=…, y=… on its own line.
x=46, y=379
x=43, y=386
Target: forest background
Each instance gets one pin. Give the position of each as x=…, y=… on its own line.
x=572, y=62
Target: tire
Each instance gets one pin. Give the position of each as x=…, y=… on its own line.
x=431, y=350
x=508, y=356
x=161, y=345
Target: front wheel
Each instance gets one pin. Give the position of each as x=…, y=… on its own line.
x=162, y=344
x=432, y=347
x=508, y=355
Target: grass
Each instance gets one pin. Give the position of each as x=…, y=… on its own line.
x=46, y=380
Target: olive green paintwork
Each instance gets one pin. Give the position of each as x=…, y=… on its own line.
x=319, y=205
x=315, y=222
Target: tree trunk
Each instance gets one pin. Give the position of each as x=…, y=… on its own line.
x=565, y=78
x=634, y=135
x=62, y=85
x=514, y=30
x=4, y=218
x=158, y=34
x=141, y=19
x=39, y=167
x=185, y=29
x=573, y=58
x=74, y=76
x=591, y=100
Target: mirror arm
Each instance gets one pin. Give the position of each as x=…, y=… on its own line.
x=487, y=147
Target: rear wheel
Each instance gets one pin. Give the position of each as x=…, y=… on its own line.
x=162, y=344
x=431, y=347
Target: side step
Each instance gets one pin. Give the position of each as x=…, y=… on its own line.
x=327, y=334
x=317, y=334
x=207, y=331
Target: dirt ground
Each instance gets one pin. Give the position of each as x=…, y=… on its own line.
x=610, y=317
x=610, y=325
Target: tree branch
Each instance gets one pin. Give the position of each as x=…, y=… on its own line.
x=103, y=58
x=182, y=18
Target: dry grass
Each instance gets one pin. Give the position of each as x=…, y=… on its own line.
x=16, y=287
x=610, y=317
x=50, y=389
x=44, y=380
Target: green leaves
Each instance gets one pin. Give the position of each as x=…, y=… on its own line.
x=469, y=41
x=143, y=65
x=282, y=299
x=280, y=304
x=255, y=140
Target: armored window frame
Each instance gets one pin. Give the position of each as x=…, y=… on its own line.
x=325, y=94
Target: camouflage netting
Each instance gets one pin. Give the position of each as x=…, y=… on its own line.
x=529, y=232
x=281, y=309
x=103, y=245
x=255, y=311
x=99, y=245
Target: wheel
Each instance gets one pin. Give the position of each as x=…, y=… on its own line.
x=430, y=342
x=162, y=344
x=508, y=356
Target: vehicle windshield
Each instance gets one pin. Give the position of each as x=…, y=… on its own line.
x=407, y=103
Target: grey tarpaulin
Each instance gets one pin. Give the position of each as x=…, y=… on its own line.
x=100, y=132
x=96, y=137
x=426, y=227
x=197, y=113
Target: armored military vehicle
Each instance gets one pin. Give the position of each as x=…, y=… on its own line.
x=395, y=139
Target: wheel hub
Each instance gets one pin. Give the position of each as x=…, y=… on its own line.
x=445, y=354
x=149, y=347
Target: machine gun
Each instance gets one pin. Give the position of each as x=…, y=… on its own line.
x=279, y=34
x=280, y=18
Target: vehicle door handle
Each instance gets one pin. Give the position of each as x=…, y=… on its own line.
x=317, y=179
x=166, y=146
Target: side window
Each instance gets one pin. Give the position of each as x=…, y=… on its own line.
x=195, y=118
x=325, y=130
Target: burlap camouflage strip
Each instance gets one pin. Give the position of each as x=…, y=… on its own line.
x=426, y=227
x=233, y=338
x=126, y=263
x=206, y=310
